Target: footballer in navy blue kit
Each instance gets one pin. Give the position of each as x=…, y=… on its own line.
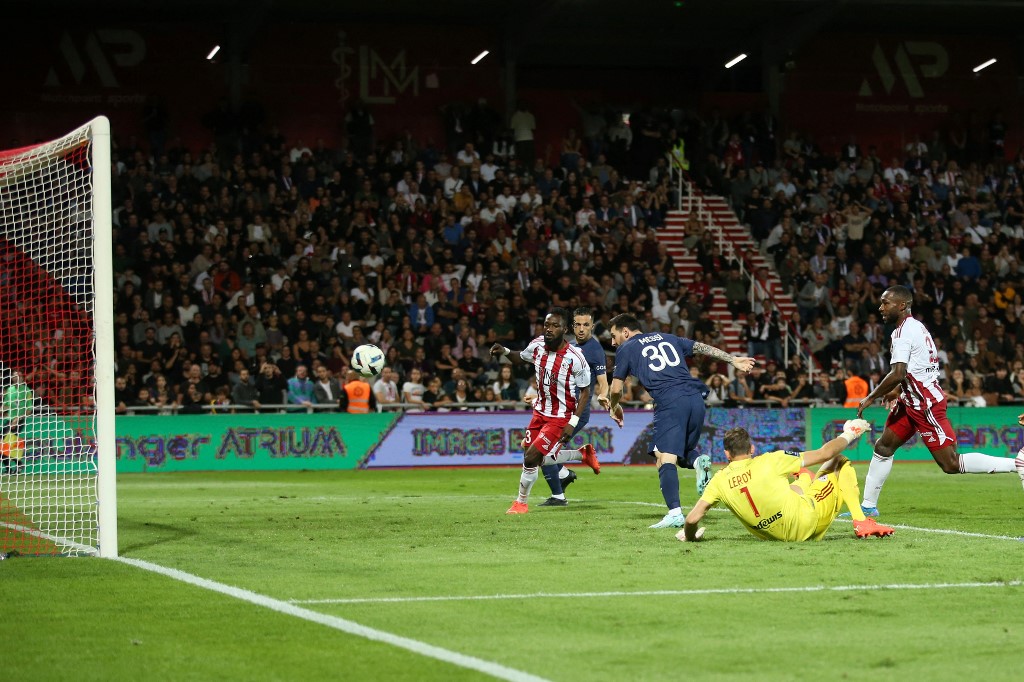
x=558, y=476
x=658, y=361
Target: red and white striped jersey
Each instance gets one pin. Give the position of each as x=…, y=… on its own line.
x=560, y=376
x=912, y=344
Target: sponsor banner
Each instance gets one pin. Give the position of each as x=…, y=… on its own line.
x=989, y=430
x=489, y=438
x=473, y=438
x=247, y=442
x=769, y=429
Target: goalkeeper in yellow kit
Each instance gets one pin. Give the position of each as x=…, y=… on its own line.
x=759, y=492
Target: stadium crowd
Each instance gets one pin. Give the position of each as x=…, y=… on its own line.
x=250, y=270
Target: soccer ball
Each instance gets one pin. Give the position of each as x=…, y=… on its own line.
x=368, y=360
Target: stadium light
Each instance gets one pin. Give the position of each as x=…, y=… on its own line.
x=735, y=60
x=983, y=65
x=480, y=56
x=213, y=52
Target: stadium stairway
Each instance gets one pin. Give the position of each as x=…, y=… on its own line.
x=718, y=216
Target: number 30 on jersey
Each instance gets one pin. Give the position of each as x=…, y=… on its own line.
x=661, y=356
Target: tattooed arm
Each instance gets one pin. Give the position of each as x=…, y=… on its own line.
x=741, y=363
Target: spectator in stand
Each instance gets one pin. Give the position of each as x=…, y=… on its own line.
x=819, y=339
x=814, y=299
x=326, y=389
x=773, y=386
x=998, y=387
x=741, y=390
x=829, y=391
x=434, y=398
x=300, y=388
x=413, y=390
x=523, y=124
x=385, y=390
x=245, y=392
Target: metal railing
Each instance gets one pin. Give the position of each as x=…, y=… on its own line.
x=483, y=406
x=288, y=408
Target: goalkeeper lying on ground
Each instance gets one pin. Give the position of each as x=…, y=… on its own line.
x=758, y=490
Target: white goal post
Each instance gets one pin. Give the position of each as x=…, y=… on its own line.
x=58, y=491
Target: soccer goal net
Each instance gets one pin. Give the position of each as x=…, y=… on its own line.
x=57, y=493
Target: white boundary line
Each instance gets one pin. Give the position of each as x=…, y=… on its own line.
x=67, y=542
x=453, y=657
x=939, y=531
x=430, y=498
x=663, y=593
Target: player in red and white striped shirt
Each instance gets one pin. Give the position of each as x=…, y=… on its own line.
x=563, y=391
x=917, y=403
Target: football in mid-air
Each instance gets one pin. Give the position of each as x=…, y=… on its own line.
x=368, y=360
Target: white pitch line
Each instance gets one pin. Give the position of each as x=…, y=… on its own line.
x=452, y=657
x=637, y=503
x=66, y=542
x=662, y=593
x=948, y=531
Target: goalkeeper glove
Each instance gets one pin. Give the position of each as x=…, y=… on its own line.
x=854, y=428
x=697, y=536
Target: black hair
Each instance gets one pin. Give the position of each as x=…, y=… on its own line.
x=583, y=310
x=626, y=321
x=902, y=294
x=562, y=313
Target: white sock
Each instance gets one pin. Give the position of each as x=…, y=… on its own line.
x=675, y=511
x=559, y=496
x=526, y=481
x=878, y=471
x=563, y=473
x=977, y=463
x=564, y=457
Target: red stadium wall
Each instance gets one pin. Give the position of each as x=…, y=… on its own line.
x=887, y=88
x=305, y=77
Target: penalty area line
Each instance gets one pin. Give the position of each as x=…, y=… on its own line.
x=495, y=670
x=665, y=593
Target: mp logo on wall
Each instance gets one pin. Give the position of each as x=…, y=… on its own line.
x=96, y=55
x=911, y=62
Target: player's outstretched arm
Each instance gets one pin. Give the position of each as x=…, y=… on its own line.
x=614, y=396
x=602, y=391
x=852, y=430
x=498, y=350
x=581, y=405
x=743, y=364
x=691, y=531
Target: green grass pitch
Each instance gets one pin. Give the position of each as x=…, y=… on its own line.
x=340, y=543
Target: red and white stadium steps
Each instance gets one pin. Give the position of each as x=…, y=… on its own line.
x=724, y=219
